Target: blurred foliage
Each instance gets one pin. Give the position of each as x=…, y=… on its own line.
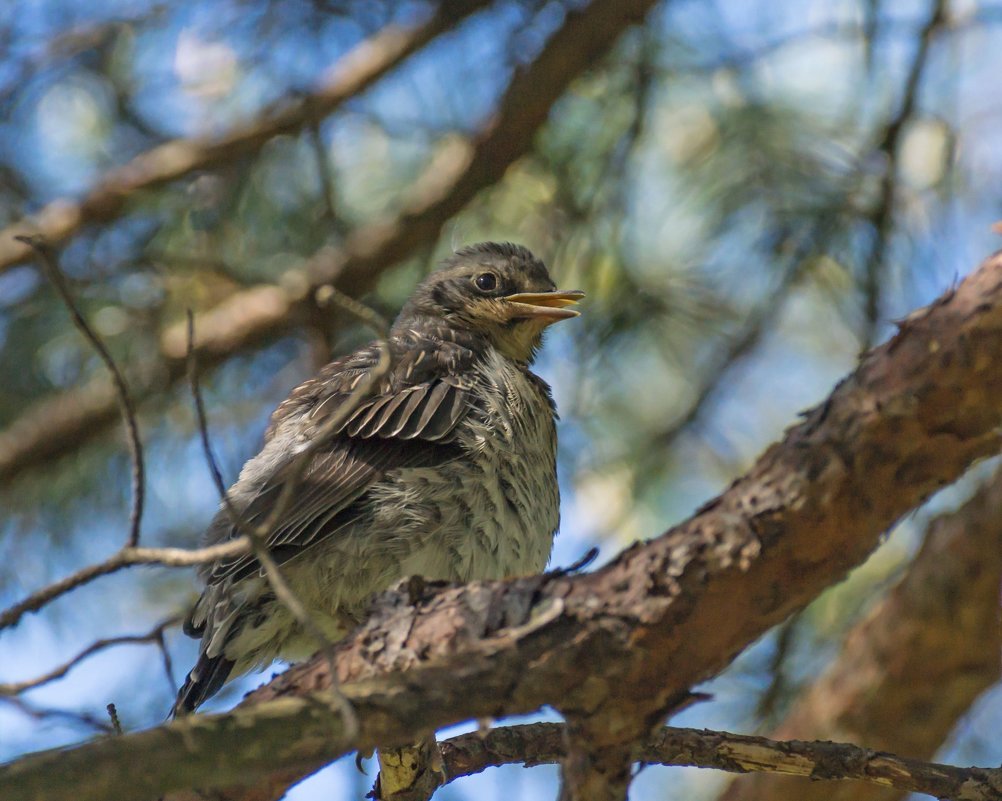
x=714, y=184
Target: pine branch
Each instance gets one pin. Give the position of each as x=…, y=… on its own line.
x=617, y=646
x=915, y=664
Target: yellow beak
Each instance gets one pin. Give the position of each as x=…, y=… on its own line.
x=546, y=305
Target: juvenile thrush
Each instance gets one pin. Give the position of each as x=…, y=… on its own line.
x=445, y=469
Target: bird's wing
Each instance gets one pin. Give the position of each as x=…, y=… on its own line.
x=399, y=423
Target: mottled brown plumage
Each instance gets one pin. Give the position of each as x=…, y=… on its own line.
x=446, y=468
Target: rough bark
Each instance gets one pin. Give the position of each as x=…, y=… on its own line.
x=915, y=664
x=542, y=743
x=258, y=315
x=616, y=646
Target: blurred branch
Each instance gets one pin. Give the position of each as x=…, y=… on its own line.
x=618, y=645
x=779, y=681
x=155, y=635
x=842, y=31
x=324, y=170
x=353, y=74
x=50, y=264
x=743, y=342
x=254, y=316
x=126, y=557
x=915, y=664
x=116, y=723
x=888, y=143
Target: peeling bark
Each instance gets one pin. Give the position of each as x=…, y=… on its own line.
x=827, y=764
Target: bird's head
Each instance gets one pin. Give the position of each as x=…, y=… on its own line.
x=499, y=291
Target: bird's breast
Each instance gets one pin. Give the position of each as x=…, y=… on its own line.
x=511, y=440
x=489, y=513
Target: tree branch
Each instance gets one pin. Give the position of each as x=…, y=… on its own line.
x=352, y=75
x=543, y=743
x=622, y=643
x=884, y=690
x=154, y=635
x=126, y=557
x=257, y=315
x=50, y=264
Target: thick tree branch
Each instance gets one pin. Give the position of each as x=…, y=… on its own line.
x=353, y=74
x=618, y=645
x=916, y=663
x=259, y=314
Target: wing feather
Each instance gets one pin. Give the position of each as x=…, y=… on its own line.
x=417, y=422
x=402, y=423
x=393, y=425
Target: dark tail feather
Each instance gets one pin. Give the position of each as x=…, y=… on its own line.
x=204, y=681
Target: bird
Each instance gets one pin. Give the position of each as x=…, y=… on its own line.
x=442, y=465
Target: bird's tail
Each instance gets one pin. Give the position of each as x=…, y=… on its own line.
x=204, y=681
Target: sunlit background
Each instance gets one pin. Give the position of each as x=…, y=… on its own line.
x=749, y=192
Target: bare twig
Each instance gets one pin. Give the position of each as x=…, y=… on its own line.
x=50, y=263
x=126, y=557
x=155, y=635
x=328, y=294
x=779, y=683
x=258, y=535
x=168, y=664
x=116, y=724
x=41, y=713
x=203, y=429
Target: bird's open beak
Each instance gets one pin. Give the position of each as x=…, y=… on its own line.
x=550, y=306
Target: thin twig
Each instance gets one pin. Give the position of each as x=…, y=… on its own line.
x=126, y=557
x=50, y=263
x=330, y=294
x=161, y=642
x=319, y=438
x=35, y=712
x=259, y=535
x=116, y=724
x=779, y=684
x=155, y=635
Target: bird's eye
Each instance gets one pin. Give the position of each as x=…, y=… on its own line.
x=486, y=282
